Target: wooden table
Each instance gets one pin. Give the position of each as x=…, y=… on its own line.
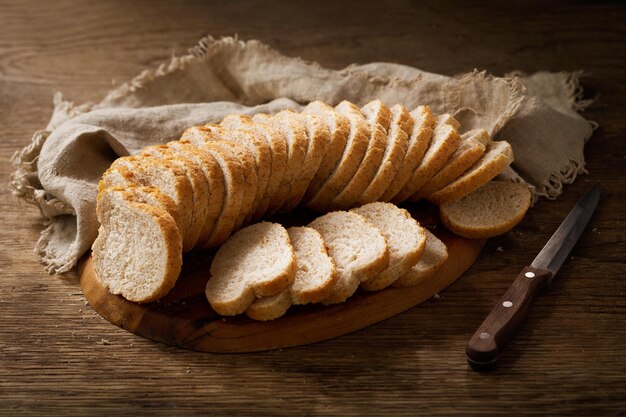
x=59, y=357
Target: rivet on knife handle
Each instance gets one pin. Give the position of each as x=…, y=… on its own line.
x=500, y=325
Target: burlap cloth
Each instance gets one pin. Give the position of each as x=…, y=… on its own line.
x=59, y=170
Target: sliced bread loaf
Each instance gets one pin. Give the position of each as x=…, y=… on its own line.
x=317, y=135
x=470, y=151
x=130, y=227
x=491, y=210
x=248, y=164
x=359, y=251
x=257, y=261
x=233, y=180
x=434, y=256
x=278, y=149
x=419, y=140
x=171, y=180
x=258, y=147
x=444, y=143
x=405, y=237
x=199, y=187
x=294, y=133
x=215, y=180
x=339, y=131
x=371, y=162
x=349, y=163
x=498, y=156
x=315, y=276
x=397, y=144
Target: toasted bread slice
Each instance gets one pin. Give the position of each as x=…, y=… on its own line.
x=359, y=250
x=257, y=261
x=491, y=210
x=434, y=256
x=405, y=237
x=419, y=140
x=496, y=159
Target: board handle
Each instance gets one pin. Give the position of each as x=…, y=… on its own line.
x=506, y=316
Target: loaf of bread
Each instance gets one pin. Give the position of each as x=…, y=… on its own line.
x=219, y=178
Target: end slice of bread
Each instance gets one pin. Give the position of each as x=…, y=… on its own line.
x=491, y=210
x=405, y=237
x=130, y=227
x=359, y=250
x=434, y=256
x=257, y=261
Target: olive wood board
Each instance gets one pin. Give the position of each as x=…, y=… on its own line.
x=184, y=318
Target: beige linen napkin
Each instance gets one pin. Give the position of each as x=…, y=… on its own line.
x=59, y=170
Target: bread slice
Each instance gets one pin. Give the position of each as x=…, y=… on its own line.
x=199, y=187
x=447, y=119
x=248, y=164
x=470, y=151
x=315, y=276
x=359, y=250
x=215, y=181
x=149, y=233
x=376, y=150
x=270, y=308
x=117, y=175
x=419, y=140
x=171, y=180
x=444, y=143
x=491, y=210
x=434, y=256
x=294, y=132
x=257, y=261
x=498, y=156
x=377, y=112
x=256, y=144
x=278, y=150
x=350, y=162
x=317, y=135
x=405, y=237
x=397, y=145
x=233, y=180
x=339, y=130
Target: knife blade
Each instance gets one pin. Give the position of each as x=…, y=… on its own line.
x=499, y=327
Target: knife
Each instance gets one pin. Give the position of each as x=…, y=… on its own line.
x=499, y=327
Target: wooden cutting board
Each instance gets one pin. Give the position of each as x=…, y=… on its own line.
x=184, y=318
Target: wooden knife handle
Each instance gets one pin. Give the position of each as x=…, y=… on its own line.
x=500, y=325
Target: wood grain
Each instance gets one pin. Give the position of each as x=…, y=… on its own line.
x=59, y=357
